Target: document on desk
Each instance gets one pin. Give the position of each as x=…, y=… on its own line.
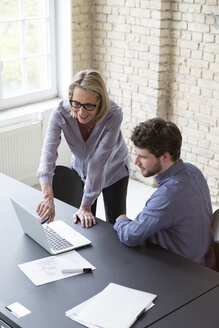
x=51, y=268
x=115, y=306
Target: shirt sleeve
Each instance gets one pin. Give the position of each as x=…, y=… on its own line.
x=97, y=167
x=156, y=215
x=49, y=151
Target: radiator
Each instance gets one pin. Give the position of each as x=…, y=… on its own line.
x=20, y=150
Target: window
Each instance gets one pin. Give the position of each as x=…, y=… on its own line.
x=27, y=51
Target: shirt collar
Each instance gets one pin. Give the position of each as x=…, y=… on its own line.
x=169, y=172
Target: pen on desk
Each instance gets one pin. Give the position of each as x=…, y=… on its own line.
x=12, y=312
x=78, y=270
x=45, y=220
x=8, y=309
x=138, y=315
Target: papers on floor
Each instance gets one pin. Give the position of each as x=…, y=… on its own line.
x=115, y=306
x=48, y=269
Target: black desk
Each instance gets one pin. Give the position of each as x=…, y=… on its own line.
x=200, y=313
x=174, y=279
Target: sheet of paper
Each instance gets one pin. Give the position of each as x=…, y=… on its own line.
x=115, y=306
x=18, y=309
x=48, y=269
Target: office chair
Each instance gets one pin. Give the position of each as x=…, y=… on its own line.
x=215, y=226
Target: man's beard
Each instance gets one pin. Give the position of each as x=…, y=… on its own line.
x=151, y=172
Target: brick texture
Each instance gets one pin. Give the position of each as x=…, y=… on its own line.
x=191, y=65
x=158, y=58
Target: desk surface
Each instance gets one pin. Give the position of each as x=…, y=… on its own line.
x=202, y=312
x=174, y=279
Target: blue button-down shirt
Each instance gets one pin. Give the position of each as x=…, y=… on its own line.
x=177, y=216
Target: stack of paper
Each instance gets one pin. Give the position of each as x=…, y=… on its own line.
x=115, y=306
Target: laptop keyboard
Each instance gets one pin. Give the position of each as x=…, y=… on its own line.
x=56, y=242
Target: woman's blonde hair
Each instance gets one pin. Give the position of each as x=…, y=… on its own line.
x=92, y=82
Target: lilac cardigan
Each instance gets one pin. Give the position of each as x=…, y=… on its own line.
x=100, y=161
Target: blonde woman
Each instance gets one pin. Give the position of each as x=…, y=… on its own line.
x=90, y=123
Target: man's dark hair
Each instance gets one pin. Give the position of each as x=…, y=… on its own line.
x=158, y=136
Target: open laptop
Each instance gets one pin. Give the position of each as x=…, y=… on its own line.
x=55, y=237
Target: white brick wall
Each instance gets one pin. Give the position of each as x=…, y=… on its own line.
x=81, y=35
x=159, y=58
x=195, y=69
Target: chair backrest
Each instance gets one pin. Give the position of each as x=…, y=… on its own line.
x=215, y=227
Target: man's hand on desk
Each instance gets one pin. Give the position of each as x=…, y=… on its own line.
x=122, y=216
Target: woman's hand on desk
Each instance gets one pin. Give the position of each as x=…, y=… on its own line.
x=46, y=207
x=86, y=217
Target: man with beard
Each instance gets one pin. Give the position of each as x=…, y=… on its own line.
x=178, y=215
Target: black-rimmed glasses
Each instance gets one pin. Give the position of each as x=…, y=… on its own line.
x=77, y=105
